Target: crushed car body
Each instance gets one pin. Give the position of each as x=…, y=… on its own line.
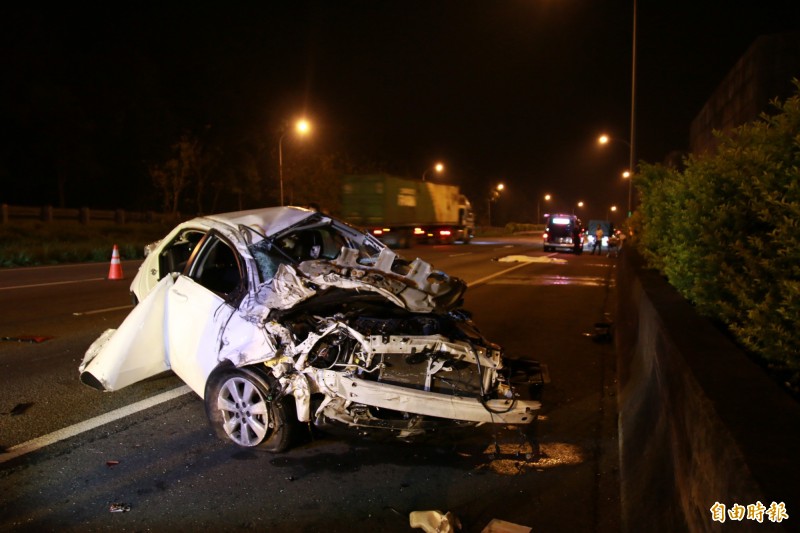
x=281, y=315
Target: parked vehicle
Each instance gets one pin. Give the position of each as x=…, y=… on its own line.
x=563, y=232
x=401, y=211
x=283, y=315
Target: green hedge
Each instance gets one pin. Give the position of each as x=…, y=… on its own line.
x=725, y=231
x=27, y=243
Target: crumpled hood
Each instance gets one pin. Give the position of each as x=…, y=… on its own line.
x=420, y=290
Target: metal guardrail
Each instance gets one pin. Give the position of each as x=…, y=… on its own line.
x=84, y=215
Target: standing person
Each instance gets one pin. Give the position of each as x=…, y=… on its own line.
x=598, y=240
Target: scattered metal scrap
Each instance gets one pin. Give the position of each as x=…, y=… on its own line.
x=603, y=332
x=27, y=338
x=119, y=507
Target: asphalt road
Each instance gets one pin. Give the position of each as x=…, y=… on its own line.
x=62, y=468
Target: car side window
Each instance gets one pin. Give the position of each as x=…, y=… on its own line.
x=176, y=254
x=218, y=268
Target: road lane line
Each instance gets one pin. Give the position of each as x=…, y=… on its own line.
x=51, y=283
x=87, y=425
x=496, y=274
x=106, y=310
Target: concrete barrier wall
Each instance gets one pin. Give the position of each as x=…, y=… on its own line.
x=699, y=421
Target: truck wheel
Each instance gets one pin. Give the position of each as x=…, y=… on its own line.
x=240, y=406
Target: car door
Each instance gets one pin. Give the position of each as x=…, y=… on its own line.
x=200, y=306
x=133, y=352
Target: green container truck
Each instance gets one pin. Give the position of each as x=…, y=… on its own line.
x=402, y=211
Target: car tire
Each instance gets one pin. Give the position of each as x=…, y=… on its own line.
x=241, y=407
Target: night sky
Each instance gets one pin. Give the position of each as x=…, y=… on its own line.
x=498, y=90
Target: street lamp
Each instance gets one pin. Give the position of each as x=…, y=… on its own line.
x=538, y=205
x=611, y=209
x=438, y=167
x=495, y=194
x=301, y=127
x=632, y=143
x=580, y=205
x=605, y=139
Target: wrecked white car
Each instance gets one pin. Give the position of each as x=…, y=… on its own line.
x=281, y=315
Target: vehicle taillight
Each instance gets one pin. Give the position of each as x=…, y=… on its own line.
x=419, y=231
x=444, y=232
x=377, y=231
x=545, y=235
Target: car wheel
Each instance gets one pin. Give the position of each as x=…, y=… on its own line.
x=240, y=407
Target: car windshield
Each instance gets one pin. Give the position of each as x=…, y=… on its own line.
x=323, y=240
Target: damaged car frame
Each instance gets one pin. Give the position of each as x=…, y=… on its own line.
x=284, y=315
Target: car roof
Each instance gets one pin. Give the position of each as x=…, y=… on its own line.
x=268, y=220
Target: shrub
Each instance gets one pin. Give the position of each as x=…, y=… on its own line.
x=27, y=243
x=725, y=231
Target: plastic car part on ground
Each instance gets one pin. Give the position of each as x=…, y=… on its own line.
x=434, y=521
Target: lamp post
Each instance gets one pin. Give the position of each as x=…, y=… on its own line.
x=495, y=194
x=438, y=167
x=301, y=127
x=538, y=205
x=632, y=144
x=580, y=205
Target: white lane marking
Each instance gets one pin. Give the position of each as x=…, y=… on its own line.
x=459, y=255
x=496, y=274
x=584, y=281
x=51, y=283
x=106, y=310
x=87, y=425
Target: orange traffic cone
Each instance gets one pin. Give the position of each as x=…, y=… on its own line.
x=115, y=270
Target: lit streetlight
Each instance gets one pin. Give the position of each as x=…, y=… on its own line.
x=538, y=207
x=495, y=194
x=438, y=168
x=301, y=127
x=611, y=209
x=605, y=139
